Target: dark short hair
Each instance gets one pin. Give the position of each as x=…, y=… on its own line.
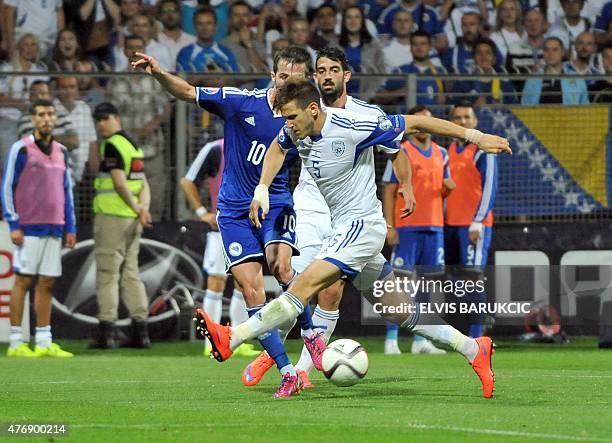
x=240, y=3
x=161, y=3
x=421, y=33
x=295, y=55
x=301, y=91
x=328, y=5
x=40, y=102
x=38, y=82
x=134, y=37
x=418, y=108
x=557, y=39
x=485, y=41
x=336, y=54
x=103, y=110
x=204, y=10
x=462, y=104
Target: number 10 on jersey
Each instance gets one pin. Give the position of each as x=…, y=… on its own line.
x=256, y=153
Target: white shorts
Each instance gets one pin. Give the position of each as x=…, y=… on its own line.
x=313, y=230
x=39, y=256
x=214, y=260
x=353, y=246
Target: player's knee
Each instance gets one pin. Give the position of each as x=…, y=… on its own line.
x=23, y=281
x=46, y=282
x=329, y=299
x=282, y=270
x=215, y=283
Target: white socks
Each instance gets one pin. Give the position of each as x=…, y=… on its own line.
x=448, y=335
x=282, y=310
x=16, y=337
x=213, y=306
x=43, y=336
x=323, y=321
x=237, y=309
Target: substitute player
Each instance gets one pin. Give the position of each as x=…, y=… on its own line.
x=469, y=210
x=419, y=239
x=207, y=168
x=250, y=126
x=37, y=203
x=334, y=145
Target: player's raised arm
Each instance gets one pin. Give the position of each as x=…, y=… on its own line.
x=486, y=142
x=273, y=162
x=170, y=82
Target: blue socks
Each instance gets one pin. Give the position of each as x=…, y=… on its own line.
x=392, y=330
x=272, y=343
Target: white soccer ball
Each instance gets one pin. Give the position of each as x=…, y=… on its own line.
x=345, y=362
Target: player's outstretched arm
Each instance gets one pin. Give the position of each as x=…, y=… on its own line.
x=486, y=142
x=170, y=82
x=273, y=162
x=403, y=172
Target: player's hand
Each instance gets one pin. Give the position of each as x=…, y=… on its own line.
x=409, y=200
x=475, y=232
x=261, y=199
x=392, y=236
x=17, y=237
x=147, y=63
x=492, y=144
x=448, y=186
x=211, y=219
x=70, y=240
x=144, y=217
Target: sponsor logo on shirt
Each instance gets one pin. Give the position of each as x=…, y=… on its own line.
x=210, y=91
x=338, y=147
x=250, y=120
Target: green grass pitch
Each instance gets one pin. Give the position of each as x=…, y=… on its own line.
x=171, y=393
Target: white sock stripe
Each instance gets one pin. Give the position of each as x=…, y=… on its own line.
x=213, y=297
x=412, y=321
x=254, y=308
x=296, y=301
x=326, y=314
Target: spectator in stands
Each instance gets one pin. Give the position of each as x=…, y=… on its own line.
x=452, y=12
x=343, y=5
x=491, y=90
x=535, y=27
x=299, y=35
x=272, y=23
x=459, y=59
x=144, y=109
x=363, y=53
x=66, y=52
x=172, y=35
x=93, y=22
x=249, y=52
x=144, y=27
x=63, y=132
x=397, y=50
x=425, y=18
x=324, y=25
x=205, y=55
x=584, y=55
x=603, y=25
x=221, y=8
x=430, y=91
x=14, y=89
x=510, y=37
x=602, y=89
x=43, y=19
x=91, y=91
x=555, y=91
x=277, y=45
x=129, y=9
x=570, y=24
x=79, y=114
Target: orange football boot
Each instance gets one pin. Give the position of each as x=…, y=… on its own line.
x=218, y=335
x=255, y=370
x=482, y=365
x=306, y=383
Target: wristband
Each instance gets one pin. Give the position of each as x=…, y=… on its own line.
x=476, y=227
x=262, y=196
x=201, y=211
x=473, y=135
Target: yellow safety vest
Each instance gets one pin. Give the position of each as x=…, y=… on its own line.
x=107, y=200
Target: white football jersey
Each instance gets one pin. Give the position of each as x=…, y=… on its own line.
x=341, y=160
x=306, y=196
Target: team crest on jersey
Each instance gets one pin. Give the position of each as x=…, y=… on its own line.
x=338, y=147
x=210, y=91
x=281, y=136
x=384, y=123
x=235, y=249
x=398, y=262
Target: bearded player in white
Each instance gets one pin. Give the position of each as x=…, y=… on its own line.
x=335, y=146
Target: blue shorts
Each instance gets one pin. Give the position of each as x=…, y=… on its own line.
x=459, y=250
x=244, y=242
x=422, y=248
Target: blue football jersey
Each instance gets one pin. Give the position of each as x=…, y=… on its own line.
x=250, y=127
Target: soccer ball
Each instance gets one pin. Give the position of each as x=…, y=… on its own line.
x=345, y=362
